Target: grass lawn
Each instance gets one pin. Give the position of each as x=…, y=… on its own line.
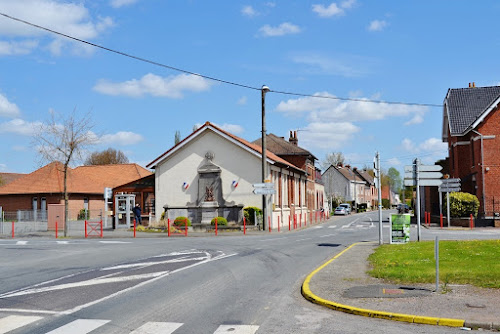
x=475, y=262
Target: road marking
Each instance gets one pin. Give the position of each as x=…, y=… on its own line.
x=236, y=329
x=303, y=239
x=318, y=227
x=157, y=327
x=12, y=322
x=21, y=243
x=20, y=310
x=62, y=242
x=114, y=242
x=273, y=239
x=333, y=226
x=152, y=263
x=80, y=326
x=327, y=235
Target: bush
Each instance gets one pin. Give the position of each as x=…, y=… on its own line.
x=463, y=205
x=180, y=221
x=83, y=215
x=386, y=203
x=221, y=221
x=249, y=214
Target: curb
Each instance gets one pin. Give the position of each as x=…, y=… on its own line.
x=307, y=293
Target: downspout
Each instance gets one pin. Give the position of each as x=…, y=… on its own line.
x=482, y=172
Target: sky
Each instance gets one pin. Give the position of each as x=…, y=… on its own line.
x=350, y=51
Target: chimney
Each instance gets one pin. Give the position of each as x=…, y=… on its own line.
x=472, y=84
x=293, y=138
x=348, y=166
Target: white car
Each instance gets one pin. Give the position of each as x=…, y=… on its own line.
x=347, y=206
x=340, y=211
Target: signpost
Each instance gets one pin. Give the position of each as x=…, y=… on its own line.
x=448, y=186
x=264, y=191
x=422, y=175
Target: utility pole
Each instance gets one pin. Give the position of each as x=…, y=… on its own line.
x=379, y=192
x=416, y=164
x=264, y=90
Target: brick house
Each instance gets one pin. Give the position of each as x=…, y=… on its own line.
x=345, y=183
x=34, y=191
x=302, y=158
x=471, y=127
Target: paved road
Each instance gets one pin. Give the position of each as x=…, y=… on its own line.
x=227, y=284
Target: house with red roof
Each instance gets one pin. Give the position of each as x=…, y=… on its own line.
x=35, y=191
x=212, y=172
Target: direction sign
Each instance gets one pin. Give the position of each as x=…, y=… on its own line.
x=424, y=175
x=423, y=182
x=457, y=180
x=423, y=168
x=267, y=185
x=449, y=189
x=263, y=191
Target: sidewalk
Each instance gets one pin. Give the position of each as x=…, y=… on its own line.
x=343, y=284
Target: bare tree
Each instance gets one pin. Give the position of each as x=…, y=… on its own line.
x=64, y=138
x=332, y=158
x=106, y=157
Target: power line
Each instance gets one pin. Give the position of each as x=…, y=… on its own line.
x=152, y=62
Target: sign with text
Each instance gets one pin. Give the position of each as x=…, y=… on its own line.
x=400, y=228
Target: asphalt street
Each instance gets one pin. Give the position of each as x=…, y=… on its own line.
x=226, y=284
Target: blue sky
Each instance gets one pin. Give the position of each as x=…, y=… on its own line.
x=408, y=51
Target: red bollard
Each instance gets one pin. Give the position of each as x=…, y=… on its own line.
x=289, y=222
x=168, y=226
x=244, y=226
x=186, y=226
x=56, y=230
x=278, y=223
x=101, y=228
x=269, y=223
x=295, y=221
x=471, y=222
x=216, y=232
x=134, y=228
x=86, y=229
x=13, y=228
x=441, y=220
x=300, y=220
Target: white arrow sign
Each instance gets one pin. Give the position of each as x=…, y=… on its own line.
x=448, y=189
x=423, y=183
x=263, y=191
x=424, y=175
x=445, y=181
x=423, y=168
x=267, y=185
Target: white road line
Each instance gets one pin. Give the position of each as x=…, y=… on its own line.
x=21, y=242
x=273, y=239
x=157, y=327
x=303, y=239
x=318, y=227
x=20, y=310
x=114, y=242
x=12, y=322
x=62, y=242
x=332, y=226
x=80, y=326
x=236, y=329
x=147, y=264
x=327, y=235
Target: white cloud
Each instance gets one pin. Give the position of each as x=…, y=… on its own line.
x=327, y=135
x=285, y=28
x=334, y=110
x=231, y=128
x=242, y=100
x=333, y=9
x=377, y=25
x=122, y=3
x=121, y=138
x=433, y=146
x=17, y=48
x=394, y=162
x=8, y=109
x=345, y=65
x=154, y=85
x=71, y=18
x=249, y=11
x=19, y=127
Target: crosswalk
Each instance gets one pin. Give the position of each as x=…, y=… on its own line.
x=84, y=326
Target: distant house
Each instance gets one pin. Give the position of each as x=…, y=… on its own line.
x=471, y=120
x=34, y=191
x=342, y=182
x=211, y=173
x=369, y=193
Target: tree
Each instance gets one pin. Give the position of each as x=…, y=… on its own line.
x=332, y=158
x=64, y=138
x=106, y=157
x=177, y=137
x=395, y=181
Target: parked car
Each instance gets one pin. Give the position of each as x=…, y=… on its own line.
x=340, y=210
x=347, y=206
x=403, y=208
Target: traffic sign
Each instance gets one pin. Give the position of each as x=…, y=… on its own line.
x=263, y=191
x=423, y=182
x=457, y=180
x=445, y=189
x=424, y=175
x=267, y=185
x=423, y=168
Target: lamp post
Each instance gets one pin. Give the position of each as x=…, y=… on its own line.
x=264, y=90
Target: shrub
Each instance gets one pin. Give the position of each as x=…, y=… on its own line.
x=83, y=215
x=249, y=214
x=386, y=203
x=221, y=221
x=180, y=221
x=463, y=204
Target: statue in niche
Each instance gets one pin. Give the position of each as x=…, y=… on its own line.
x=209, y=194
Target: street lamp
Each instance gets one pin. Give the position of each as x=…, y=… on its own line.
x=264, y=90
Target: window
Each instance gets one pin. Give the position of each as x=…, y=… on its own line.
x=34, y=202
x=43, y=204
x=86, y=203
